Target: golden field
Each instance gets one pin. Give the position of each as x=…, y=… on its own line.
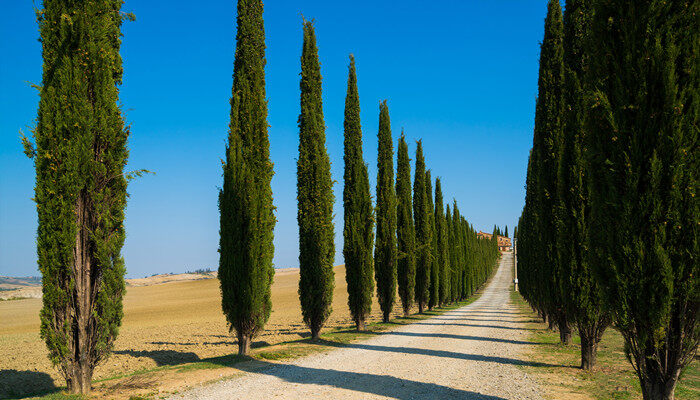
x=167, y=323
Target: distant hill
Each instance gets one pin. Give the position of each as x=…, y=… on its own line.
x=30, y=287
x=9, y=282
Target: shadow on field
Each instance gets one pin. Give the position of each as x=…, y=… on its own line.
x=163, y=357
x=17, y=384
x=379, y=385
x=232, y=342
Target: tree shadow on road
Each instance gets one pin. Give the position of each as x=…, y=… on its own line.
x=438, y=353
x=462, y=337
x=494, y=319
x=380, y=385
x=515, y=328
x=472, y=312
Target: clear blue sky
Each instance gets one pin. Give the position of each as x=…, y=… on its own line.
x=462, y=75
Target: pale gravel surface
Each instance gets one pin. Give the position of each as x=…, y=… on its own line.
x=468, y=353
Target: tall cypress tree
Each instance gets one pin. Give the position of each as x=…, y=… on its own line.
x=405, y=233
x=80, y=154
x=314, y=195
x=423, y=237
x=506, y=233
x=539, y=251
x=443, y=259
x=458, y=266
x=385, y=246
x=550, y=126
x=582, y=300
x=450, y=241
x=642, y=135
x=359, y=214
x=434, y=299
x=245, y=200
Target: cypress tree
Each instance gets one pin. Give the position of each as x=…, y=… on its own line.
x=450, y=254
x=434, y=299
x=385, y=246
x=582, y=300
x=553, y=109
x=458, y=265
x=506, y=233
x=443, y=259
x=358, y=212
x=642, y=137
x=540, y=248
x=422, y=232
x=314, y=195
x=245, y=200
x=468, y=269
x=405, y=233
x=80, y=192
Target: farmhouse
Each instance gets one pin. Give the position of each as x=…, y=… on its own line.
x=504, y=243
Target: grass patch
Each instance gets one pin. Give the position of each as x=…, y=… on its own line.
x=62, y=396
x=613, y=377
x=15, y=298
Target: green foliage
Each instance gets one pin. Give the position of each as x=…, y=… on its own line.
x=456, y=250
x=441, y=233
x=80, y=154
x=434, y=299
x=540, y=273
x=314, y=195
x=643, y=97
x=405, y=233
x=423, y=232
x=580, y=292
x=385, y=247
x=450, y=236
x=245, y=201
x=359, y=213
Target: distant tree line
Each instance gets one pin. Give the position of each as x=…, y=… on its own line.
x=609, y=230
x=418, y=255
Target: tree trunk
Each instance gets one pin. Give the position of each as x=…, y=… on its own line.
x=360, y=325
x=589, y=351
x=654, y=388
x=315, y=334
x=420, y=307
x=80, y=381
x=79, y=374
x=243, y=343
x=591, y=332
x=385, y=317
x=658, y=381
x=564, y=330
x=406, y=313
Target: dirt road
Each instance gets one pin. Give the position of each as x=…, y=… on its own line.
x=469, y=353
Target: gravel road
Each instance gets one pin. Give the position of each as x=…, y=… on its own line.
x=468, y=353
